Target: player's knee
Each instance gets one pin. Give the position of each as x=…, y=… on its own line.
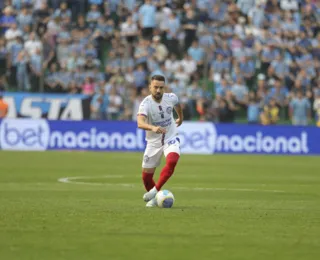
x=148, y=170
x=172, y=159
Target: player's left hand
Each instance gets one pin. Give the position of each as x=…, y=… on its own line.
x=179, y=121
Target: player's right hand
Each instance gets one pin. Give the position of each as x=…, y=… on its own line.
x=158, y=130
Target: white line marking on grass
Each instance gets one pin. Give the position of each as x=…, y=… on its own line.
x=74, y=180
x=228, y=189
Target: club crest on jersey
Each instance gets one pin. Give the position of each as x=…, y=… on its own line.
x=169, y=110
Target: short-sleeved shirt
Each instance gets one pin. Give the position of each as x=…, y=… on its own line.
x=7, y=19
x=148, y=15
x=300, y=107
x=160, y=114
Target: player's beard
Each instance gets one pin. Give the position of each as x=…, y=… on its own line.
x=157, y=96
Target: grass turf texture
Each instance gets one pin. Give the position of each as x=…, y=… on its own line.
x=41, y=218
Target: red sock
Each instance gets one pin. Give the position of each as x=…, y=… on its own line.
x=168, y=169
x=148, y=180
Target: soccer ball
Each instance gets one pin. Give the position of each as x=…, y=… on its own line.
x=165, y=199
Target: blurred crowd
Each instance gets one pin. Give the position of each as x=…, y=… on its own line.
x=258, y=60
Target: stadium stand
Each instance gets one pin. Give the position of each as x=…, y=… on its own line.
x=255, y=61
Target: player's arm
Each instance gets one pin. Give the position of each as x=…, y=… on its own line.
x=142, y=124
x=178, y=109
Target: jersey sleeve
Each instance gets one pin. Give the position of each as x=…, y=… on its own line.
x=174, y=99
x=143, y=109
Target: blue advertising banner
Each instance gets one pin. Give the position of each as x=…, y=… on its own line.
x=195, y=137
x=49, y=106
x=209, y=138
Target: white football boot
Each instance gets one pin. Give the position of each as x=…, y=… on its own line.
x=150, y=194
x=152, y=203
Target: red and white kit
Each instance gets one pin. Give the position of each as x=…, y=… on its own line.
x=159, y=114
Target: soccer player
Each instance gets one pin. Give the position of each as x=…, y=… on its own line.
x=155, y=115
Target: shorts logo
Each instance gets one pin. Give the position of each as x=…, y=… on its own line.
x=146, y=158
x=169, y=110
x=171, y=142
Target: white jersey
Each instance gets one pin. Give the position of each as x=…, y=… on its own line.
x=160, y=114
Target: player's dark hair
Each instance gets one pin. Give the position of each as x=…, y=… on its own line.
x=158, y=78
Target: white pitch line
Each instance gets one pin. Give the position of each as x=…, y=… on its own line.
x=228, y=189
x=73, y=180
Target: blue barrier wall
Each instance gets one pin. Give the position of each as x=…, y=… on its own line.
x=196, y=137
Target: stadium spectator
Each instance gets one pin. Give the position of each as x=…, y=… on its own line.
x=226, y=108
x=190, y=24
x=3, y=57
x=300, y=112
x=129, y=30
x=147, y=14
x=171, y=33
x=115, y=104
x=253, y=111
x=289, y=5
x=240, y=92
x=88, y=87
x=3, y=106
x=24, y=18
x=36, y=71
x=270, y=113
x=14, y=50
x=279, y=93
x=32, y=44
x=41, y=17
x=52, y=79
x=73, y=88
x=22, y=71
x=12, y=33
x=93, y=16
x=3, y=84
x=129, y=95
x=245, y=5
x=223, y=88
x=63, y=12
x=316, y=107
x=160, y=50
x=140, y=78
x=197, y=54
x=7, y=19
x=99, y=105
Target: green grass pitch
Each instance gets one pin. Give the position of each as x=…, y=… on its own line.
x=226, y=207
